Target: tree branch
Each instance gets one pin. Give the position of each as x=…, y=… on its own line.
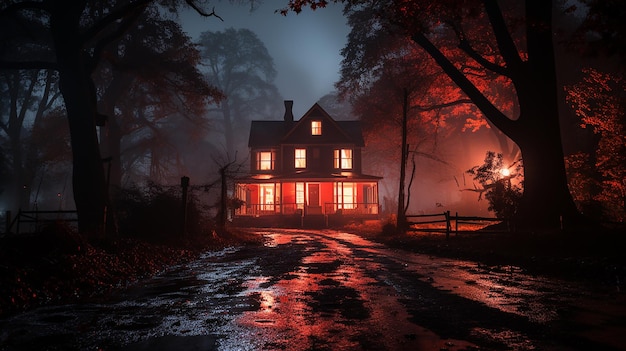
x=467, y=48
x=105, y=21
x=122, y=28
x=506, y=45
x=201, y=11
x=443, y=105
x=499, y=119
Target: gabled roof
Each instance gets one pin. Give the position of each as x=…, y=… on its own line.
x=268, y=133
x=274, y=133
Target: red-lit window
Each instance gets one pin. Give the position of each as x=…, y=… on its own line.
x=265, y=161
x=345, y=195
x=316, y=127
x=343, y=158
x=300, y=158
x=266, y=197
x=300, y=195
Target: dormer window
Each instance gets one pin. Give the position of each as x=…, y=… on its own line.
x=316, y=127
x=300, y=158
x=342, y=158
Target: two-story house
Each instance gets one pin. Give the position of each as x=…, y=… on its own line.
x=310, y=167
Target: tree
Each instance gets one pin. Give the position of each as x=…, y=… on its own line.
x=27, y=92
x=152, y=67
x=520, y=34
x=69, y=37
x=238, y=64
x=599, y=101
x=496, y=180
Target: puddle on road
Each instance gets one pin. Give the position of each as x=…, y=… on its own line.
x=328, y=302
x=319, y=291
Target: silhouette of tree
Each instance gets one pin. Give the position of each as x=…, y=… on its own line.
x=70, y=37
x=152, y=68
x=25, y=93
x=238, y=64
x=599, y=101
x=512, y=41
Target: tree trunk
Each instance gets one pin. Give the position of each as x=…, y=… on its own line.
x=111, y=138
x=80, y=102
x=229, y=136
x=546, y=202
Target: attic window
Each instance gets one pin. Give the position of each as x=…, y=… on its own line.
x=316, y=127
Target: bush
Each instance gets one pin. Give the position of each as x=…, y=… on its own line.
x=154, y=213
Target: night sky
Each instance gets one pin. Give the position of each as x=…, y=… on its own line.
x=306, y=47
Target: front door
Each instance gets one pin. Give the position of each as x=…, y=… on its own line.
x=314, y=199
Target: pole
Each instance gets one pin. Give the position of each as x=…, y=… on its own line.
x=184, y=183
x=401, y=221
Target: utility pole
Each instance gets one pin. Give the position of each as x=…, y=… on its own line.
x=401, y=225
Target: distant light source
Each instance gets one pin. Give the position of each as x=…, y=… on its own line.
x=505, y=172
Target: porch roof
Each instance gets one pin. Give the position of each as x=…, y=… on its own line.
x=308, y=176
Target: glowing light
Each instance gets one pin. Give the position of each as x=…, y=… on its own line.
x=505, y=172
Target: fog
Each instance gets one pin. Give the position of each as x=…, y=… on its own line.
x=306, y=47
x=306, y=50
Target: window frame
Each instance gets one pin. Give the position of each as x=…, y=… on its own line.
x=316, y=127
x=343, y=158
x=260, y=161
x=299, y=158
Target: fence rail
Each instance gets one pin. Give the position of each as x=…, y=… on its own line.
x=37, y=218
x=415, y=221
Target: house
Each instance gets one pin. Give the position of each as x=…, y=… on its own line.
x=306, y=169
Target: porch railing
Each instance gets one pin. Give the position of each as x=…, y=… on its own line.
x=329, y=208
x=360, y=208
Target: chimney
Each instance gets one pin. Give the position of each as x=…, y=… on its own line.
x=288, y=111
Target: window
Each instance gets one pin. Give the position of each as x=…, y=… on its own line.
x=316, y=127
x=266, y=197
x=343, y=159
x=265, y=161
x=300, y=195
x=345, y=195
x=300, y=158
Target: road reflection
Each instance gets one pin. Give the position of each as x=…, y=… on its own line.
x=329, y=290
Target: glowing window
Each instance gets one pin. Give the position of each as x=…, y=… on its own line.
x=266, y=197
x=345, y=195
x=265, y=160
x=343, y=158
x=300, y=158
x=316, y=127
x=300, y=195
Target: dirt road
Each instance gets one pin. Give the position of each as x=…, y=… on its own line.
x=329, y=290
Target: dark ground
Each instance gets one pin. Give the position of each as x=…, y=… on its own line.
x=57, y=266
x=592, y=256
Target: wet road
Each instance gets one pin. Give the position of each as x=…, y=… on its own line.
x=328, y=290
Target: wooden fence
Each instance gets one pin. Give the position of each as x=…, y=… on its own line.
x=446, y=223
x=36, y=219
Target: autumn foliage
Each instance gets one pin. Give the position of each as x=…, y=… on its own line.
x=598, y=179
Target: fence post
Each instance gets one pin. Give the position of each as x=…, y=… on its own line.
x=456, y=223
x=448, y=225
x=184, y=183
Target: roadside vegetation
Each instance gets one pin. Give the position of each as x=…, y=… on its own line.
x=594, y=256
x=56, y=264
